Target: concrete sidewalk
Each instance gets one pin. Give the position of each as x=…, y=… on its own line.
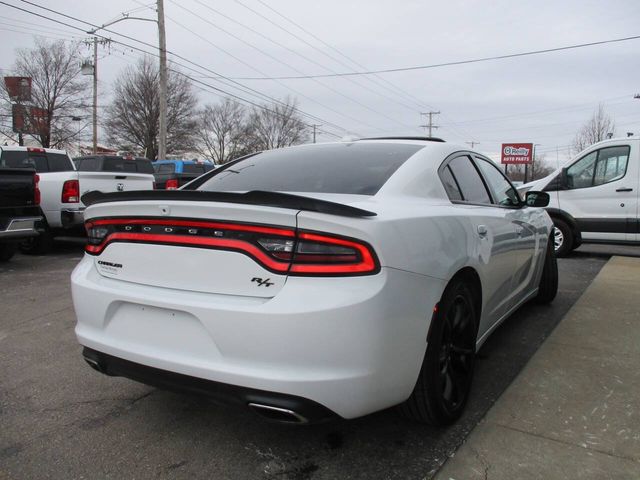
x=574, y=410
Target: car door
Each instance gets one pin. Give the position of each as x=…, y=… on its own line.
x=495, y=246
x=529, y=242
x=602, y=194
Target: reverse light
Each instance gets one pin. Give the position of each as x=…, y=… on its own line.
x=71, y=191
x=278, y=249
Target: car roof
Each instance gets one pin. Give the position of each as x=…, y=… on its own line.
x=17, y=148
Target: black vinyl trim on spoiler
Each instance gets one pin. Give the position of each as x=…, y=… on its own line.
x=253, y=197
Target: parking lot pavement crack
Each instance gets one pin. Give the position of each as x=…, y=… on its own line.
x=562, y=442
x=48, y=314
x=483, y=461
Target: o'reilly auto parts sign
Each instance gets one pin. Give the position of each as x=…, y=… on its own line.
x=517, y=153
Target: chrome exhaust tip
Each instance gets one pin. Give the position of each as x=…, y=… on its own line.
x=94, y=364
x=278, y=414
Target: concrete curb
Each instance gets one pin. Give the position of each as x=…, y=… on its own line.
x=574, y=410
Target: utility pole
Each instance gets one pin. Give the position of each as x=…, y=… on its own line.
x=162, y=47
x=314, y=125
x=88, y=69
x=430, y=125
x=472, y=143
x=95, y=95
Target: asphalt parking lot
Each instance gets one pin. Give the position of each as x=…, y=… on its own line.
x=60, y=419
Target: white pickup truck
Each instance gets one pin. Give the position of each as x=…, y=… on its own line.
x=61, y=187
x=594, y=197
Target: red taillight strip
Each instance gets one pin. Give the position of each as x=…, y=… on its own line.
x=187, y=223
x=367, y=264
x=221, y=243
x=362, y=263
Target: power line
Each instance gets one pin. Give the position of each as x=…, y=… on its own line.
x=313, y=117
x=289, y=32
x=374, y=78
x=447, y=64
x=255, y=69
x=333, y=90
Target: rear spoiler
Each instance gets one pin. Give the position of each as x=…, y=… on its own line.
x=253, y=197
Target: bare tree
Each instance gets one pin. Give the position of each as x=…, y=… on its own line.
x=133, y=116
x=596, y=129
x=274, y=126
x=221, y=131
x=538, y=169
x=58, y=91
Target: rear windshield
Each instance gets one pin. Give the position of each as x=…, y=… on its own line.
x=164, y=168
x=192, y=168
x=40, y=161
x=356, y=168
x=114, y=164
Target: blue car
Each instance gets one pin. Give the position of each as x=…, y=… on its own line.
x=171, y=174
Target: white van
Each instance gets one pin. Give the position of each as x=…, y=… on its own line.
x=594, y=197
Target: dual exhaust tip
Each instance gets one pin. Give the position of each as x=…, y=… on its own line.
x=269, y=412
x=278, y=414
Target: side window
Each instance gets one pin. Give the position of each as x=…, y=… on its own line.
x=472, y=187
x=165, y=168
x=59, y=162
x=599, y=167
x=612, y=164
x=88, y=164
x=450, y=184
x=503, y=192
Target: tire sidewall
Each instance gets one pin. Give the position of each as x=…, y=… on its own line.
x=431, y=367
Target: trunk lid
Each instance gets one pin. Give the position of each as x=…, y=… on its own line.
x=170, y=244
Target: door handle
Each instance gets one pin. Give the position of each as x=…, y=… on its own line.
x=625, y=189
x=482, y=230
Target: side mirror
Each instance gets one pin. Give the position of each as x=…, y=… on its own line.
x=537, y=199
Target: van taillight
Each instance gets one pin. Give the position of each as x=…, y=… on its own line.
x=71, y=191
x=172, y=184
x=278, y=249
x=36, y=190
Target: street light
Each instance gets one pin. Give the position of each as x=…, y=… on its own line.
x=162, y=51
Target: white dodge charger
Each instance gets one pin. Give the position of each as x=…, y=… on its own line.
x=317, y=281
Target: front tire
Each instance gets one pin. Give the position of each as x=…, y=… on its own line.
x=562, y=238
x=444, y=382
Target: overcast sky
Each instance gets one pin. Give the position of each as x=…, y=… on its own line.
x=542, y=99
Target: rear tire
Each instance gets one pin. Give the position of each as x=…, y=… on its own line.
x=562, y=238
x=444, y=382
x=7, y=250
x=548, y=287
x=39, y=245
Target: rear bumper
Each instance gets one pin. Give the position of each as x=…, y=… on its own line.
x=18, y=228
x=353, y=345
x=72, y=218
x=306, y=411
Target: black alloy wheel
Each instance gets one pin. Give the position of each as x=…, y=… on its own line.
x=444, y=382
x=457, y=351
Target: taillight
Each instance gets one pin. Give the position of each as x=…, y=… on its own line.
x=71, y=191
x=172, y=184
x=280, y=250
x=36, y=190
